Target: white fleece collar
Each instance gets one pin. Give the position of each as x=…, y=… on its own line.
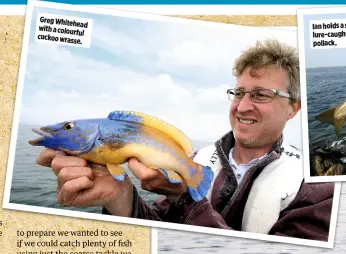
x=272, y=191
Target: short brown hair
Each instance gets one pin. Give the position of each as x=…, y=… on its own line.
x=272, y=52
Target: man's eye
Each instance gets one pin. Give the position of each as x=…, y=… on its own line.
x=260, y=94
x=238, y=93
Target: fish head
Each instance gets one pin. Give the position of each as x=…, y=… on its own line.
x=324, y=163
x=73, y=137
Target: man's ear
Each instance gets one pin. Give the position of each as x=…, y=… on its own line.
x=295, y=107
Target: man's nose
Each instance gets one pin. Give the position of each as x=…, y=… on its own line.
x=246, y=104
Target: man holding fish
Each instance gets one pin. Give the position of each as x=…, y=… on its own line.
x=250, y=180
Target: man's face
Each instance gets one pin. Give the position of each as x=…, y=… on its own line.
x=260, y=124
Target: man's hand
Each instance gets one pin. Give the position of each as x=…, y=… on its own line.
x=80, y=184
x=152, y=180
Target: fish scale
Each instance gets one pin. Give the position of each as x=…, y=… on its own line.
x=139, y=139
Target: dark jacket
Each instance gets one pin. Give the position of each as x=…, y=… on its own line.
x=308, y=215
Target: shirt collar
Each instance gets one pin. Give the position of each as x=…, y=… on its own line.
x=252, y=162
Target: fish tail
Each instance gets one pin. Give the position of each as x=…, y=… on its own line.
x=200, y=183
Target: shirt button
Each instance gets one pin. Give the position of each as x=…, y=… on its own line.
x=227, y=191
x=238, y=176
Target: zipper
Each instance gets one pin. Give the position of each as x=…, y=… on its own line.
x=228, y=164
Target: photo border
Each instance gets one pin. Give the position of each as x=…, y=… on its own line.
x=301, y=13
x=133, y=221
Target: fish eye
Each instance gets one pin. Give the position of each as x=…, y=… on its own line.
x=68, y=126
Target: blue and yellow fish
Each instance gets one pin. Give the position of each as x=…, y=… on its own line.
x=113, y=140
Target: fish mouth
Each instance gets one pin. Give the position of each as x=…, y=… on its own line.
x=44, y=134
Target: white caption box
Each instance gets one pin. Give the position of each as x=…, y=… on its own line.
x=326, y=34
x=63, y=30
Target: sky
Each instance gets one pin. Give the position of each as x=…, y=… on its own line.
x=322, y=57
x=177, y=71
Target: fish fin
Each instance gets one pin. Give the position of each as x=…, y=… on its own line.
x=200, y=183
x=171, y=176
x=339, y=123
x=156, y=123
x=327, y=116
x=117, y=172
